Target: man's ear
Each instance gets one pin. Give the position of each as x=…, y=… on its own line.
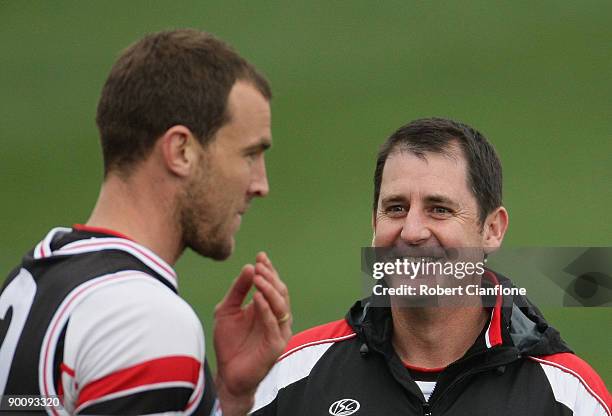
x=180, y=150
x=494, y=229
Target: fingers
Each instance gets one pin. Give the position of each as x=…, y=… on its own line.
x=271, y=291
x=240, y=288
x=276, y=335
x=263, y=258
x=276, y=338
x=264, y=267
x=273, y=298
x=267, y=317
x=274, y=292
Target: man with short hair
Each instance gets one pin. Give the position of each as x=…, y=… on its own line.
x=437, y=188
x=93, y=311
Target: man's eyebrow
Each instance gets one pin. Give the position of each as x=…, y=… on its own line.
x=429, y=199
x=263, y=145
x=390, y=199
x=439, y=199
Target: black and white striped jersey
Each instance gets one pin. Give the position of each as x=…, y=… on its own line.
x=95, y=318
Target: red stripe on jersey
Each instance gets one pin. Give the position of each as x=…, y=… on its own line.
x=60, y=385
x=494, y=331
x=67, y=369
x=196, y=400
x=159, y=370
x=100, y=230
x=574, y=365
x=41, y=252
x=60, y=389
x=59, y=318
x=330, y=332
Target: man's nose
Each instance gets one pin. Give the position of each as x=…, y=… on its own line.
x=414, y=229
x=259, y=183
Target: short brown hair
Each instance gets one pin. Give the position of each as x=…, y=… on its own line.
x=437, y=135
x=165, y=79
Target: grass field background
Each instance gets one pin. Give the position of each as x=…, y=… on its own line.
x=533, y=76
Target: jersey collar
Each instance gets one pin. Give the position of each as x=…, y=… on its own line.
x=62, y=241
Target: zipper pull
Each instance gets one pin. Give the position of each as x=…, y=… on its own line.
x=426, y=409
x=364, y=350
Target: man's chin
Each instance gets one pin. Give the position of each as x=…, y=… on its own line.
x=218, y=250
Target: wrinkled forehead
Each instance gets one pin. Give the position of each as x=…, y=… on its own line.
x=407, y=172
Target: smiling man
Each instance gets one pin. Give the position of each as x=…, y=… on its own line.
x=94, y=317
x=437, y=188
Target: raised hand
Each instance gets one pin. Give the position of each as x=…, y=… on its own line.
x=248, y=339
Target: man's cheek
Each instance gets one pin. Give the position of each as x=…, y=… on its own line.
x=384, y=236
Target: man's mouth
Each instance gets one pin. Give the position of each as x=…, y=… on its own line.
x=418, y=253
x=243, y=210
x=425, y=259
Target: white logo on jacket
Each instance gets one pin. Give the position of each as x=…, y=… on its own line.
x=344, y=407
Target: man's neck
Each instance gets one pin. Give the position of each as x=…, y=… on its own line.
x=142, y=211
x=435, y=337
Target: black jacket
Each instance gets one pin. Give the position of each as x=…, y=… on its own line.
x=519, y=365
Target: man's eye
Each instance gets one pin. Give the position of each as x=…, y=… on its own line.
x=252, y=155
x=440, y=210
x=395, y=210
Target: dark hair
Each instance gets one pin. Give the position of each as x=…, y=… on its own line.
x=437, y=135
x=165, y=79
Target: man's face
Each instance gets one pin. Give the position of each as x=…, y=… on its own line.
x=231, y=173
x=427, y=203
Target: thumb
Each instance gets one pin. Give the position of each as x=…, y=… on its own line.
x=239, y=289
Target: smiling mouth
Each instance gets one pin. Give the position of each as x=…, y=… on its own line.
x=418, y=253
x=423, y=259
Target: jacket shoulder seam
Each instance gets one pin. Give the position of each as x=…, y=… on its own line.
x=574, y=373
x=331, y=332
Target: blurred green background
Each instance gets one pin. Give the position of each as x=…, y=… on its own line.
x=533, y=76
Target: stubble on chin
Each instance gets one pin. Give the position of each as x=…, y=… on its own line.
x=199, y=231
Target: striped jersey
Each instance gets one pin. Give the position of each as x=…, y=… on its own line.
x=95, y=319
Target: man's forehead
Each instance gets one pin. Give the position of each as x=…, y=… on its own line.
x=246, y=95
x=248, y=115
x=452, y=151
x=431, y=175
x=405, y=163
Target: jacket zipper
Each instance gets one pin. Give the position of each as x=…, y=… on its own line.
x=426, y=405
x=427, y=409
